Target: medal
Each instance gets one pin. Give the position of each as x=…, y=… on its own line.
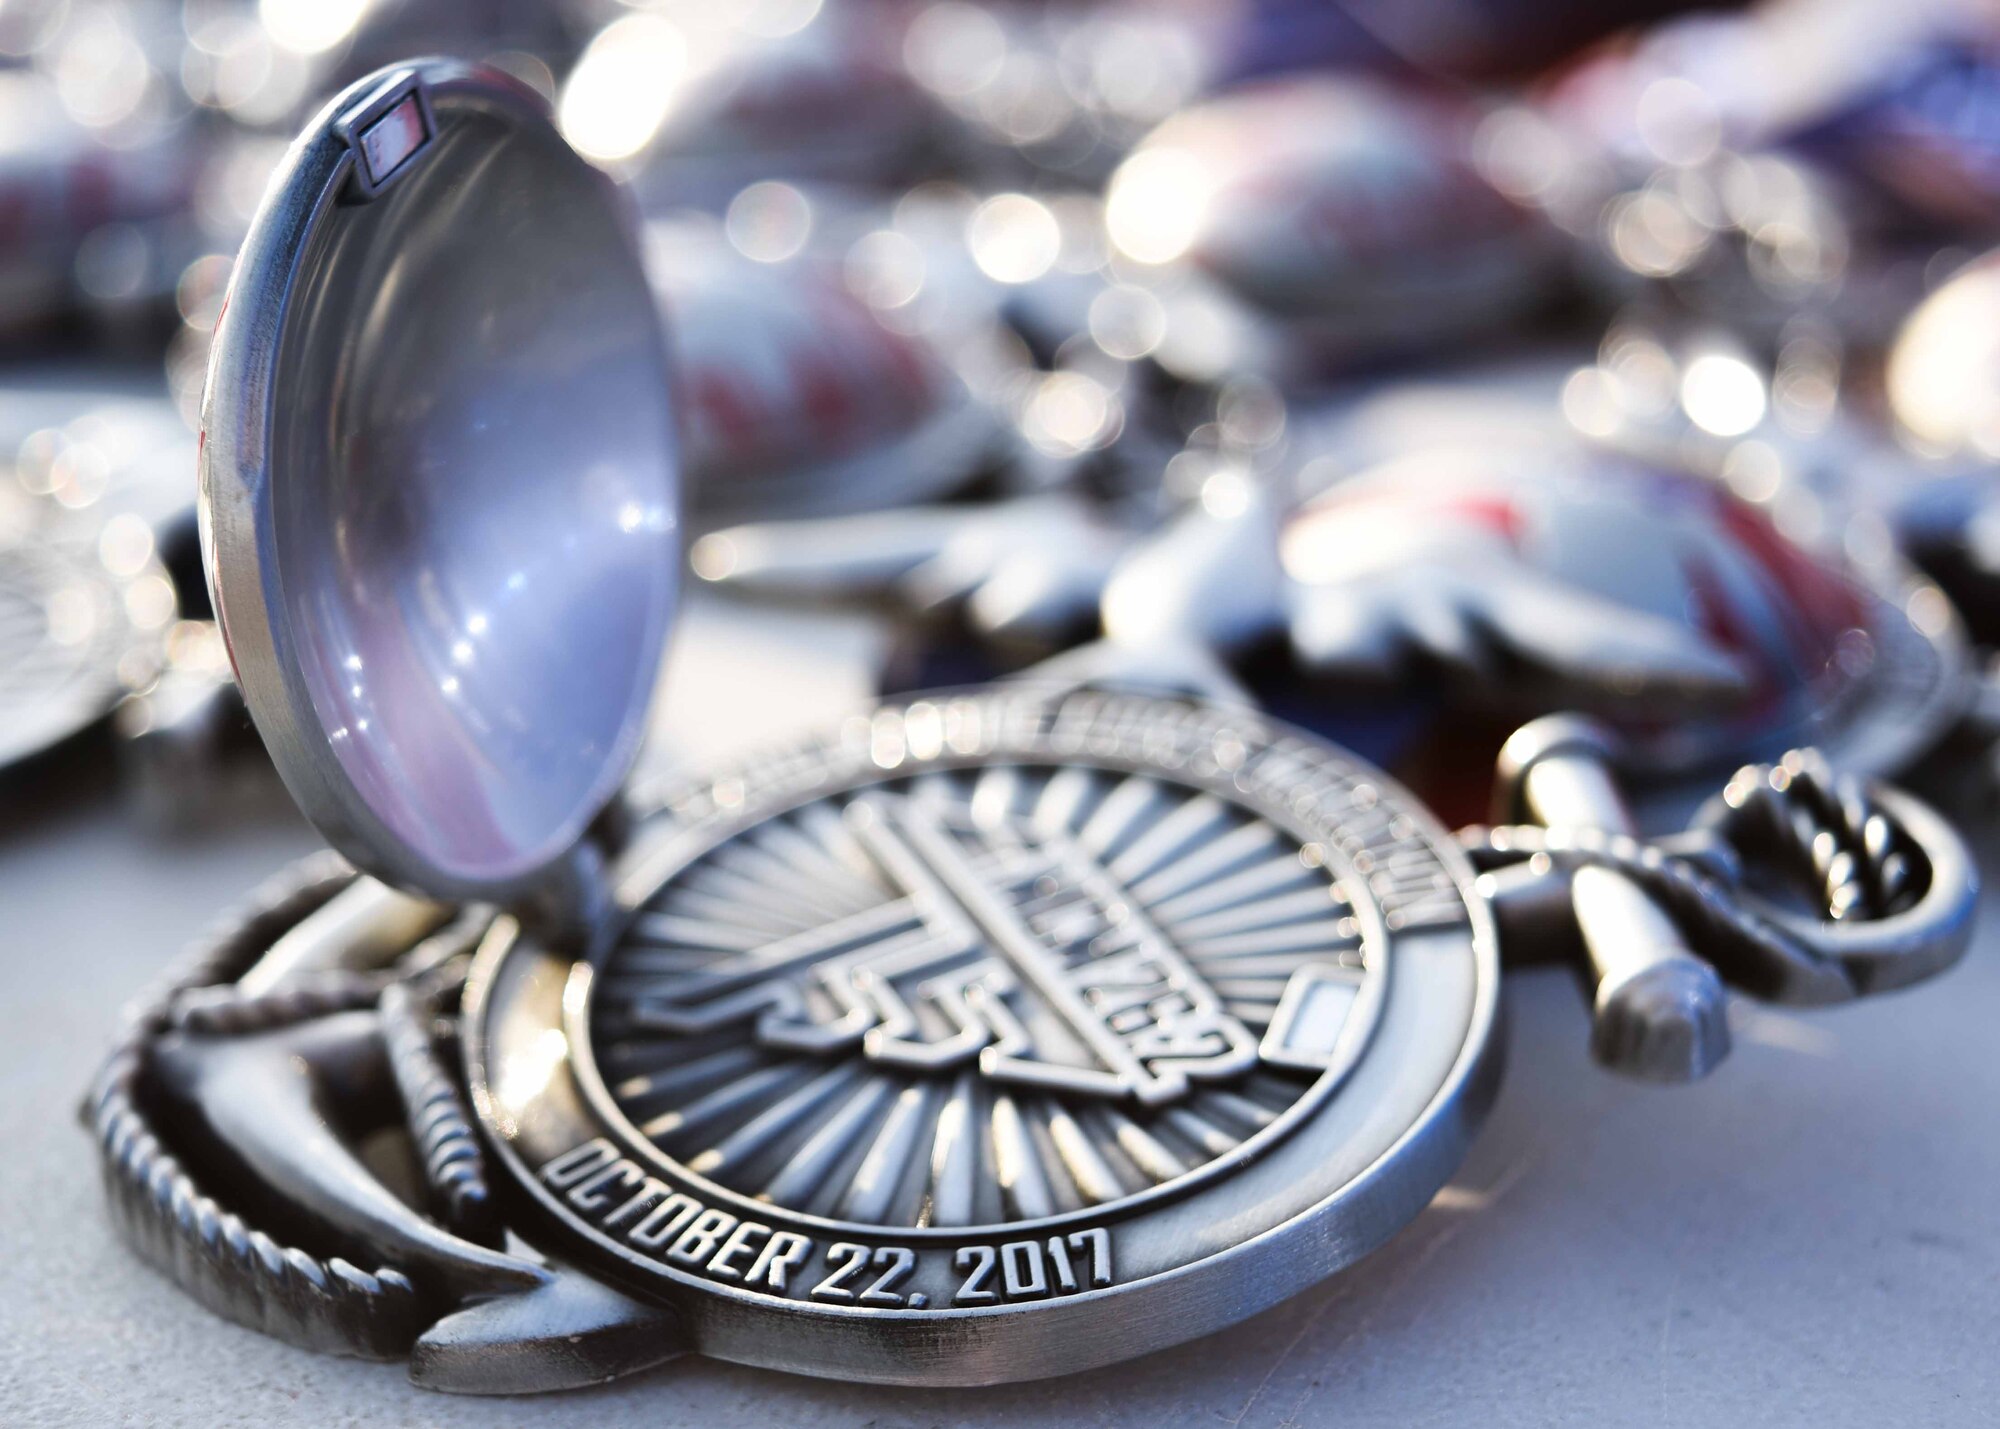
x=1497, y=560
x=89, y=620
x=100, y=555
x=802, y=95
x=993, y=1034
x=1346, y=213
x=799, y=398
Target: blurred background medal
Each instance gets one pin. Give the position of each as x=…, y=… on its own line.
x=800, y=399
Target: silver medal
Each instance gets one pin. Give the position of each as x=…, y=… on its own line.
x=999, y=1002
x=990, y=1035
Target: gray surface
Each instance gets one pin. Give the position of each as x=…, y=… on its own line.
x=1811, y=1237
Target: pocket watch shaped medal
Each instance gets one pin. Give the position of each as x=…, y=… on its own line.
x=996, y=1035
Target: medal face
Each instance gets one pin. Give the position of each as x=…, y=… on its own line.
x=999, y=1036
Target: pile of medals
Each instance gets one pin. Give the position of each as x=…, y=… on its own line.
x=1284, y=433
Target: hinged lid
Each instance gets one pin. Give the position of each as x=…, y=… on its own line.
x=438, y=482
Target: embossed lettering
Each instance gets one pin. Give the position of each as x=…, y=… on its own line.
x=697, y=1242
x=783, y=1253
x=578, y=1162
x=664, y=1221
x=737, y=1244
x=594, y=1191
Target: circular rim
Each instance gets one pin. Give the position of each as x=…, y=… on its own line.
x=1326, y=1216
x=319, y=175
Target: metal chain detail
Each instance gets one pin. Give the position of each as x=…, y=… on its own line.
x=1811, y=818
x=1756, y=953
x=1794, y=823
x=454, y=1165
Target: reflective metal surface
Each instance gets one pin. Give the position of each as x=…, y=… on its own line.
x=1066, y=1172
x=439, y=481
x=1733, y=1255
x=991, y=1036
x=1006, y=1032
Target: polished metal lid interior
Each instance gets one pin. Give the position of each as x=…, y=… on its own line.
x=439, y=487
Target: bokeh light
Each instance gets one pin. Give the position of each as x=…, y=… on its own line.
x=624, y=86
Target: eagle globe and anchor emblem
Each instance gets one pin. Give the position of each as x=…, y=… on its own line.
x=991, y=1035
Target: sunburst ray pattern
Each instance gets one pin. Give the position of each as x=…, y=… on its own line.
x=973, y=997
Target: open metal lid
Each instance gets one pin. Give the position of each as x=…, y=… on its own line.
x=439, y=485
